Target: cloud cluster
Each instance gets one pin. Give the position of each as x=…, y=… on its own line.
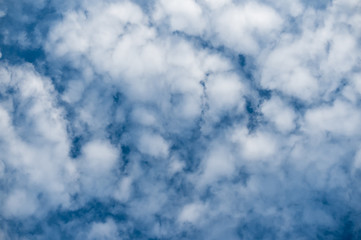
x=209, y=119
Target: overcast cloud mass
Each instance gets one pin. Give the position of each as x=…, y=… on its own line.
x=180, y=119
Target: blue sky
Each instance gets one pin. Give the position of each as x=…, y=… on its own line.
x=169, y=119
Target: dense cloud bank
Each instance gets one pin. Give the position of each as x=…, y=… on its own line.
x=192, y=119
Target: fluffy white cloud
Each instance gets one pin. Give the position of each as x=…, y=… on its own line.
x=99, y=156
x=181, y=15
x=98, y=169
x=224, y=92
x=339, y=118
x=20, y=204
x=281, y=115
x=154, y=145
x=312, y=64
x=242, y=27
x=255, y=146
x=106, y=230
x=192, y=213
x=34, y=145
x=219, y=163
x=124, y=189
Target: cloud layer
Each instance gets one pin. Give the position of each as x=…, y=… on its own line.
x=209, y=119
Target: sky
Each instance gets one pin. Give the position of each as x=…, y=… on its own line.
x=180, y=119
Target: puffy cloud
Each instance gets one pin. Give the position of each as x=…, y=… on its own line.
x=312, y=64
x=242, y=27
x=255, y=146
x=154, y=145
x=30, y=121
x=180, y=119
x=97, y=169
x=106, y=230
x=281, y=115
x=219, y=163
x=339, y=118
x=20, y=204
x=122, y=193
x=224, y=92
x=181, y=16
x=192, y=213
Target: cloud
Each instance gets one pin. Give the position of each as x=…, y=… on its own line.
x=191, y=213
x=32, y=121
x=180, y=119
x=107, y=230
x=154, y=145
x=281, y=115
x=181, y=16
x=251, y=23
x=20, y=204
x=339, y=118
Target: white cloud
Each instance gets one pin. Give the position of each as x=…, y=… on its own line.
x=143, y=115
x=103, y=230
x=312, y=64
x=19, y=203
x=99, y=156
x=279, y=114
x=192, y=213
x=2, y=169
x=219, y=163
x=255, y=146
x=37, y=149
x=240, y=27
x=284, y=7
x=153, y=145
x=184, y=15
x=98, y=168
x=224, y=92
x=2, y=13
x=216, y=4
x=357, y=162
x=283, y=71
x=176, y=165
x=356, y=82
x=124, y=189
x=339, y=118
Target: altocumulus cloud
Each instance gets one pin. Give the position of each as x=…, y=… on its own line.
x=169, y=119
